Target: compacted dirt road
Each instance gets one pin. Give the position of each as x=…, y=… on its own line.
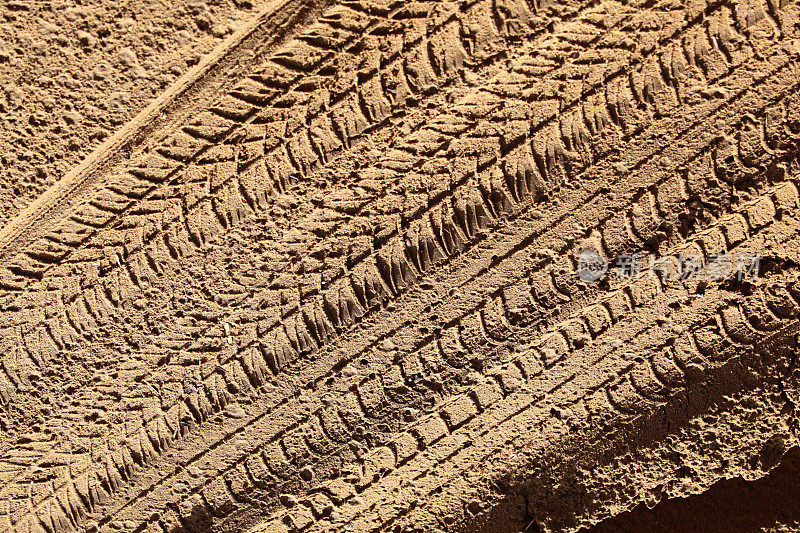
x=420, y=266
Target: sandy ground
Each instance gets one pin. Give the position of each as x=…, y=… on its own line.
x=338, y=283
x=71, y=73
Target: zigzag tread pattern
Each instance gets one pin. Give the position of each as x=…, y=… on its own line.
x=636, y=385
x=506, y=182
x=573, y=333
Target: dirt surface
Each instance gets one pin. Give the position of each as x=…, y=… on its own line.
x=72, y=72
x=770, y=503
x=367, y=266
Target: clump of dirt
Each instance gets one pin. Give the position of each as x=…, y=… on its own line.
x=771, y=503
x=72, y=72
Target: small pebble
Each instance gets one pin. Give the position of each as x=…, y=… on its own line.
x=127, y=57
x=235, y=410
x=86, y=39
x=387, y=346
x=288, y=500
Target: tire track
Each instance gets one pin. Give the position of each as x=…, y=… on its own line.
x=74, y=333
x=76, y=327
x=522, y=368
x=733, y=332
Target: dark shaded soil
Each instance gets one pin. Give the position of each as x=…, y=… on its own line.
x=771, y=503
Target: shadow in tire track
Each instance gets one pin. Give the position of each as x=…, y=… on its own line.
x=734, y=504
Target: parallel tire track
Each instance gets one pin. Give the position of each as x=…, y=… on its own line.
x=75, y=325
x=422, y=304
x=656, y=366
x=754, y=211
